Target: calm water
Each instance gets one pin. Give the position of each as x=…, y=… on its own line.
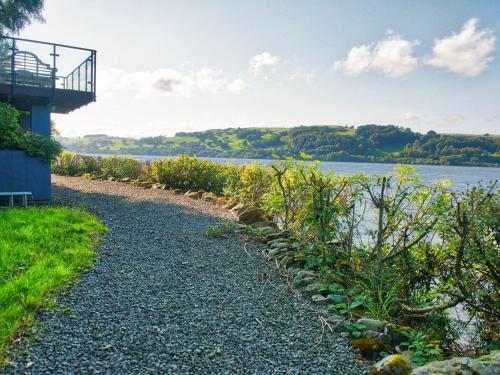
x=460, y=176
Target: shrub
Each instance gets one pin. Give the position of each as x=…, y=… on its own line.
x=13, y=137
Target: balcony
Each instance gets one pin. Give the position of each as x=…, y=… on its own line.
x=34, y=72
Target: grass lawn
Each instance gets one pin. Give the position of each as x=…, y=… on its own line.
x=41, y=251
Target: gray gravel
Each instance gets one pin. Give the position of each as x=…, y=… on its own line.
x=164, y=299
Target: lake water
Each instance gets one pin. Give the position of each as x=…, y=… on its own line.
x=460, y=176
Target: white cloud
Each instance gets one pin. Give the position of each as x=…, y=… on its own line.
x=358, y=61
x=168, y=81
x=467, y=52
x=454, y=119
x=262, y=62
x=303, y=75
x=236, y=86
x=411, y=117
x=393, y=56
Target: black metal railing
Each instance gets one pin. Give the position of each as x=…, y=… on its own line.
x=20, y=66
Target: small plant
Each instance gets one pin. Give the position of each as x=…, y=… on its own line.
x=356, y=329
x=220, y=230
x=423, y=349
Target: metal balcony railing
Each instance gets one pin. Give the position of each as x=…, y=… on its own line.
x=22, y=64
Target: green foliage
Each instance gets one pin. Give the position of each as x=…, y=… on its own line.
x=12, y=136
x=423, y=349
x=16, y=14
x=69, y=164
x=356, y=329
x=368, y=143
x=52, y=246
x=220, y=230
x=189, y=173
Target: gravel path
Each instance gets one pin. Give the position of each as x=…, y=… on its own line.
x=164, y=299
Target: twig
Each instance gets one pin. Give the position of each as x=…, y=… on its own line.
x=246, y=251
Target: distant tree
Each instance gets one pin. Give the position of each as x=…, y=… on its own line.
x=16, y=14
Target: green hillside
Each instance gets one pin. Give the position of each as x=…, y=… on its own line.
x=367, y=143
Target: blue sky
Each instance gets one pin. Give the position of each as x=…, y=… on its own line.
x=168, y=66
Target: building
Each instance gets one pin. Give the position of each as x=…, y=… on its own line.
x=40, y=78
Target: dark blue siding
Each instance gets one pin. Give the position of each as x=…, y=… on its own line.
x=21, y=172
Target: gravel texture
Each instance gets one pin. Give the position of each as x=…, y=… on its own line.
x=163, y=298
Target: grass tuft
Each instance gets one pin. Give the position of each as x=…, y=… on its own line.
x=41, y=251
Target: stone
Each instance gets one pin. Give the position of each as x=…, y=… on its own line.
x=278, y=245
x=338, y=323
x=192, y=194
x=306, y=273
x=265, y=224
x=372, y=324
x=208, y=197
x=230, y=204
x=319, y=299
x=177, y=191
x=311, y=289
x=239, y=208
x=395, y=364
x=125, y=179
x=303, y=281
x=250, y=216
x=369, y=334
x=274, y=253
x=488, y=364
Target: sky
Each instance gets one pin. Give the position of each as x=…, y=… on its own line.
x=189, y=65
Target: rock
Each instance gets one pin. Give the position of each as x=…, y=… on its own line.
x=192, y=194
x=395, y=364
x=111, y=178
x=306, y=273
x=285, y=261
x=319, y=299
x=278, y=245
x=393, y=336
x=239, y=208
x=301, y=282
x=372, y=324
x=485, y=365
x=265, y=224
x=208, y=197
x=369, y=348
x=158, y=186
x=220, y=201
x=311, y=289
x=230, y=204
x=125, y=179
x=274, y=253
x=177, y=191
x=338, y=323
x=369, y=334
x=250, y=216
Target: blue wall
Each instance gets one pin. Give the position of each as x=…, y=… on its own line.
x=40, y=120
x=21, y=172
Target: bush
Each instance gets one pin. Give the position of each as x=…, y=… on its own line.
x=13, y=137
x=69, y=164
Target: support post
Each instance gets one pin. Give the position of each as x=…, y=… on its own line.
x=13, y=67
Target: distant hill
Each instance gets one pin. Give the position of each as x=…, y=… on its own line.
x=367, y=143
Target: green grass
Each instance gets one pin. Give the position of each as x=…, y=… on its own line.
x=41, y=251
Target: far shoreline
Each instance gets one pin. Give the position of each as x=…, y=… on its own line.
x=145, y=157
